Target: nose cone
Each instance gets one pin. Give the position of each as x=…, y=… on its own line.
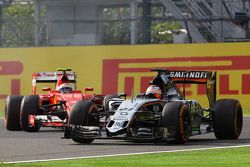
x=117, y=127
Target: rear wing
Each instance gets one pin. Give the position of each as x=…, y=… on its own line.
x=186, y=77
x=51, y=77
x=193, y=77
x=164, y=77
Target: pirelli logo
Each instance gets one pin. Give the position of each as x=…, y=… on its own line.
x=124, y=75
x=9, y=75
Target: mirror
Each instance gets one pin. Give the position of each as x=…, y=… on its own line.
x=46, y=89
x=88, y=89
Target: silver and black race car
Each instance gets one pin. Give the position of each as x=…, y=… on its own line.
x=172, y=118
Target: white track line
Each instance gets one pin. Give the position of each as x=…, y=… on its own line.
x=115, y=155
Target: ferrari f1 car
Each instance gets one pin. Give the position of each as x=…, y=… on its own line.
x=51, y=109
x=172, y=118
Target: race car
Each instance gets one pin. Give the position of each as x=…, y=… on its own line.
x=50, y=109
x=169, y=117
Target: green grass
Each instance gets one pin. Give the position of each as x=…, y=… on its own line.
x=247, y=112
x=233, y=157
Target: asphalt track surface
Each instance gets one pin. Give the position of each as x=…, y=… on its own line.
x=47, y=144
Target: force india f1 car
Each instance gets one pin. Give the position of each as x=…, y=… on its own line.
x=50, y=109
x=172, y=118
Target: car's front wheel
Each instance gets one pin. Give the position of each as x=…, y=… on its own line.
x=29, y=107
x=80, y=117
x=176, y=119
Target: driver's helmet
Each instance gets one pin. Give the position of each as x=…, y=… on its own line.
x=65, y=88
x=153, y=91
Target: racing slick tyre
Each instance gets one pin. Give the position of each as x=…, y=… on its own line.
x=29, y=106
x=176, y=118
x=107, y=99
x=12, y=113
x=227, y=119
x=80, y=116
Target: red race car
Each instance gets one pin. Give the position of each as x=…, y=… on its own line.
x=51, y=109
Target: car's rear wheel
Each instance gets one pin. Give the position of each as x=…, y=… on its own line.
x=80, y=116
x=30, y=106
x=176, y=119
x=12, y=113
x=227, y=119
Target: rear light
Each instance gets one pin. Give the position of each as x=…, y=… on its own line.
x=31, y=120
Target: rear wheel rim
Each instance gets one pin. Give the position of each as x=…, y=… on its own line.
x=185, y=124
